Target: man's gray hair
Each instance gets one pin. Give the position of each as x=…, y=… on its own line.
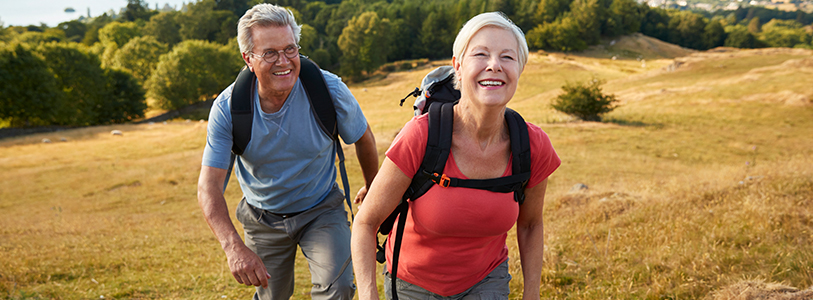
x=264, y=14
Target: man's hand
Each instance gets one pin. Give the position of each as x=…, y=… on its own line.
x=361, y=195
x=246, y=266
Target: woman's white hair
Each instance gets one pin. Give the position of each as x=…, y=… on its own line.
x=495, y=19
x=264, y=14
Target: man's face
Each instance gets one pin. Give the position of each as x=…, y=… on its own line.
x=280, y=76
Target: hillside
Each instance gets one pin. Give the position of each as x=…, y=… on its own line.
x=700, y=185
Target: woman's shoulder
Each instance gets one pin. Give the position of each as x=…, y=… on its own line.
x=536, y=134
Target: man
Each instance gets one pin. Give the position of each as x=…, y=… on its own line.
x=287, y=172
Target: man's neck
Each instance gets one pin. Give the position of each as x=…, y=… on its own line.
x=270, y=101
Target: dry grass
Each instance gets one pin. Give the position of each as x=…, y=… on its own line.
x=754, y=290
x=700, y=183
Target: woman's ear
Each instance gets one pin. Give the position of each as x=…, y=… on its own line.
x=456, y=66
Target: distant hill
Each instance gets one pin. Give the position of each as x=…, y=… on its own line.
x=636, y=45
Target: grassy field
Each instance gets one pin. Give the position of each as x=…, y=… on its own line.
x=701, y=179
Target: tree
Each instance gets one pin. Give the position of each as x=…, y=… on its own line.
x=739, y=37
x=96, y=24
x=118, y=33
x=137, y=10
x=194, y=70
x=202, y=22
x=139, y=56
x=656, y=24
x=627, y=16
x=549, y=10
x=436, y=36
x=781, y=33
x=586, y=14
x=561, y=35
x=714, y=35
x=124, y=98
x=38, y=37
x=237, y=7
x=754, y=26
x=29, y=94
x=74, y=30
x=686, y=29
x=164, y=27
x=584, y=101
x=80, y=76
x=308, y=39
x=364, y=44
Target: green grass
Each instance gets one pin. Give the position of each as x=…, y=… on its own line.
x=694, y=186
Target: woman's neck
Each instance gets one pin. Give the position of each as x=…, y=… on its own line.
x=485, y=125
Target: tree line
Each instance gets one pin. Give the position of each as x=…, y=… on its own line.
x=100, y=70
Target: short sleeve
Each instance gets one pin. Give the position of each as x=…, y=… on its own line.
x=217, y=152
x=351, y=121
x=408, y=147
x=544, y=159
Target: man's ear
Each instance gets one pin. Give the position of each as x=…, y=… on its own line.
x=247, y=60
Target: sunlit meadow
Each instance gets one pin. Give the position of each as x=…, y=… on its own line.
x=700, y=179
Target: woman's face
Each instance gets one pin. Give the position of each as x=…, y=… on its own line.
x=489, y=69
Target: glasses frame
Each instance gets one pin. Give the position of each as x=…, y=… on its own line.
x=276, y=54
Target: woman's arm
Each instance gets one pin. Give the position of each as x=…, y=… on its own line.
x=530, y=238
x=385, y=193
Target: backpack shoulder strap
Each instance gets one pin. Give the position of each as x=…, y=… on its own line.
x=325, y=113
x=242, y=115
x=520, y=149
x=438, y=146
x=242, y=110
x=319, y=96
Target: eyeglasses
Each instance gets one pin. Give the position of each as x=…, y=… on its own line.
x=271, y=56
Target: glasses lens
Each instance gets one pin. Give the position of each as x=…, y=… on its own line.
x=271, y=56
x=292, y=51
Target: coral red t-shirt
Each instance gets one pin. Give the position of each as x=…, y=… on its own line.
x=454, y=237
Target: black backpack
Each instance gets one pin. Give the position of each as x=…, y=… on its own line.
x=439, y=97
x=242, y=114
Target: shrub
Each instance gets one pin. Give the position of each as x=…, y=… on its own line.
x=584, y=101
x=192, y=72
x=29, y=91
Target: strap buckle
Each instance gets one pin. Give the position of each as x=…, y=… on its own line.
x=441, y=179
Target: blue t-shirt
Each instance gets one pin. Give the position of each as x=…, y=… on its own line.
x=289, y=164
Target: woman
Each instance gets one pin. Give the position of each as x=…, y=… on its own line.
x=454, y=238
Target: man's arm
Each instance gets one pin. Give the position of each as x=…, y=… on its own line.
x=245, y=265
x=367, y=154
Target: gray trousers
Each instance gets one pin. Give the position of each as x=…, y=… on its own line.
x=493, y=287
x=323, y=234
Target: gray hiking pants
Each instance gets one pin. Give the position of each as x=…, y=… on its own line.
x=323, y=234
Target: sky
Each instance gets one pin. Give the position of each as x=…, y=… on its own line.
x=52, y=12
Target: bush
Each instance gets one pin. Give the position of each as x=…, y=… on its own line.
x=192, y=72
x=29, y=92
x=584, y=101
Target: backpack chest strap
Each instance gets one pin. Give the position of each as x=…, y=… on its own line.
x=508, y=184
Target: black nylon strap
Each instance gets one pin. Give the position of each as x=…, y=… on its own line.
x=321, y=103
x=505, y=184
x=403, y=208
x=325, y=113
x=242, y=110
